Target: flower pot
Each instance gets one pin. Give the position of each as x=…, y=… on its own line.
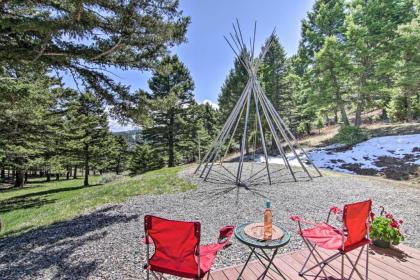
x=381, y=243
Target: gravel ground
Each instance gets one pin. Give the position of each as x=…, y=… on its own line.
x=106, y=243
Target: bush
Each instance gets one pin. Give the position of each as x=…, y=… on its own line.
x=145, y=159
x=350, y=135
x=396, y=108
x=108, y=178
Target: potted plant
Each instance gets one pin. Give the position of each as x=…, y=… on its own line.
x=385, y=230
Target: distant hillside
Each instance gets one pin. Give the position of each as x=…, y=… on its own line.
x=132, y=136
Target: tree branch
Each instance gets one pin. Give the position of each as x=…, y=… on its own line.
x=108, y=51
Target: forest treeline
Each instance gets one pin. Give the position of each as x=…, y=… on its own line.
x=354, y=56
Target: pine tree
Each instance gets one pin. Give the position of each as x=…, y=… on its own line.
x=88, y=124
x=172, y=94
x=371, y=27
x=118, y=153
x=272, y=76
x=325, y=20
x=405, y=58
x=145, y=158
x=25, y=100
x=332, y=69
x=232, y=89
x=86, y=37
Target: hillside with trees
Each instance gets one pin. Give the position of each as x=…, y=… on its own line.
x=354, y=58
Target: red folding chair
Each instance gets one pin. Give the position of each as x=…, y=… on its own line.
x=177, y=248
x=354, y=234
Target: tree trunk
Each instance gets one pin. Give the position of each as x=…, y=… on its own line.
x=26, y=177
x=3, y=174
x=358, y=115
x=117, y=168
x=409, y=114
x=308, y=128
x=68, y=172
x=19, y=178
x=48, y=176
x=75, y=172
x=171, y=152
x=57, y=176
x=86, y=180
x=339, y=101
x=343, y=114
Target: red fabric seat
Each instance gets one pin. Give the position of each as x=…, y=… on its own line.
x=177, y=247
x=355, y=234
x=324, y=235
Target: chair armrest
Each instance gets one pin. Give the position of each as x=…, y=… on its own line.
x=334, y=210
x=225, y=234
x=300, y=222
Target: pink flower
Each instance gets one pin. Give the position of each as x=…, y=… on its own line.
x=389, y=216
x=401, y=222
x=395, y=224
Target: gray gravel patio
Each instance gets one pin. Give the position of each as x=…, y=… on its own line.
x=107, y=243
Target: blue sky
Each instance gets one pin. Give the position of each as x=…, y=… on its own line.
x=207, y=55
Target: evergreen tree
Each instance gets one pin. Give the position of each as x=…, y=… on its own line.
x=371, y=27
x=331, y=75
x=232, y=89
x=145, y=158
x=118, y=153
x=25, y=100
x=172, y=95
x=325, y=19
x=88, y=124
x=86, y=37
x=405, y=102
x=203, y=129
x=272, y=76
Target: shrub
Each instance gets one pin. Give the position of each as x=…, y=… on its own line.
x=396, y=108
x=376, y=118
x=319, y=124
x=350, y=135
x=108, y=178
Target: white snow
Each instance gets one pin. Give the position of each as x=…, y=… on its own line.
x=364, y=153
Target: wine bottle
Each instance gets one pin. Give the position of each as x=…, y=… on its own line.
x=268, y=221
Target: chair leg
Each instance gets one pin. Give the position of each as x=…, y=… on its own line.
x=342, y=266
x=312, y=251
x=354, y=265
x=367, y=261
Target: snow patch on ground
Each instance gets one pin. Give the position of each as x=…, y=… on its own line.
x=366, y=153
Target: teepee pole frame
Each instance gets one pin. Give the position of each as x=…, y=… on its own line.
x=277, y=127
x=226, y=127
x=226, y=133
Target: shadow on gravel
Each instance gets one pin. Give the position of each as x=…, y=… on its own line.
x=56, y=249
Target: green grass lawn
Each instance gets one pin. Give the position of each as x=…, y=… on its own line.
x=42, y=204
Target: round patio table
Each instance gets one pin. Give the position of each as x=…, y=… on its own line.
x=260, y=248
